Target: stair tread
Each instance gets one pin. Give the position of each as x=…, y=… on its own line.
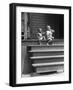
x=45, y=64
x=46, y=50
x=38, y=57
x=33, y=40
x=49, y=71
x=47, y=45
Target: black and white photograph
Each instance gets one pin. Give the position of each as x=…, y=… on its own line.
x=41, y=46
x=42, y=43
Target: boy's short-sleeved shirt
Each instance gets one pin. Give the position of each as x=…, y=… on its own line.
x=49, y=34
x=40, y=36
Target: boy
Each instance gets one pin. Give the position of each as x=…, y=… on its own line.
x=49, y=33
x=40, y=35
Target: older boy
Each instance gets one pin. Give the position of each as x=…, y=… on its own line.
x=49, y=33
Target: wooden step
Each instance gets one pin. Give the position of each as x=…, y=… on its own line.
x=44, y=71
x=54, y=47
x=47, y=50
x=44, y=42
x=48, y=60
x=52, y=53
x=47, y=45
x=43, y=57
x=47, y=64
x=50, y=68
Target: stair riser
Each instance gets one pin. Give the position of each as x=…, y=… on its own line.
x=47, y=47
x=47, y=53
x=49, y=68
x=58, y=43
x=48, y=60
x=31, y=42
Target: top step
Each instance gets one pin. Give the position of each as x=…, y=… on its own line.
x=44, y=42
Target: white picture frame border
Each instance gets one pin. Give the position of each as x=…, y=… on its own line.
x=40, y=79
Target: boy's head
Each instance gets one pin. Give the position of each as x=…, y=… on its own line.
x=48, y=27
x=40, y=29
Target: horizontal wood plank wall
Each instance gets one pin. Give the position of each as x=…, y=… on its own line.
x=38, y=20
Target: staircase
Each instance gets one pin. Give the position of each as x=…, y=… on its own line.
x=47, y=58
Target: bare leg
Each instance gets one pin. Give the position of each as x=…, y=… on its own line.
x=47, y=42
x=40, y=42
